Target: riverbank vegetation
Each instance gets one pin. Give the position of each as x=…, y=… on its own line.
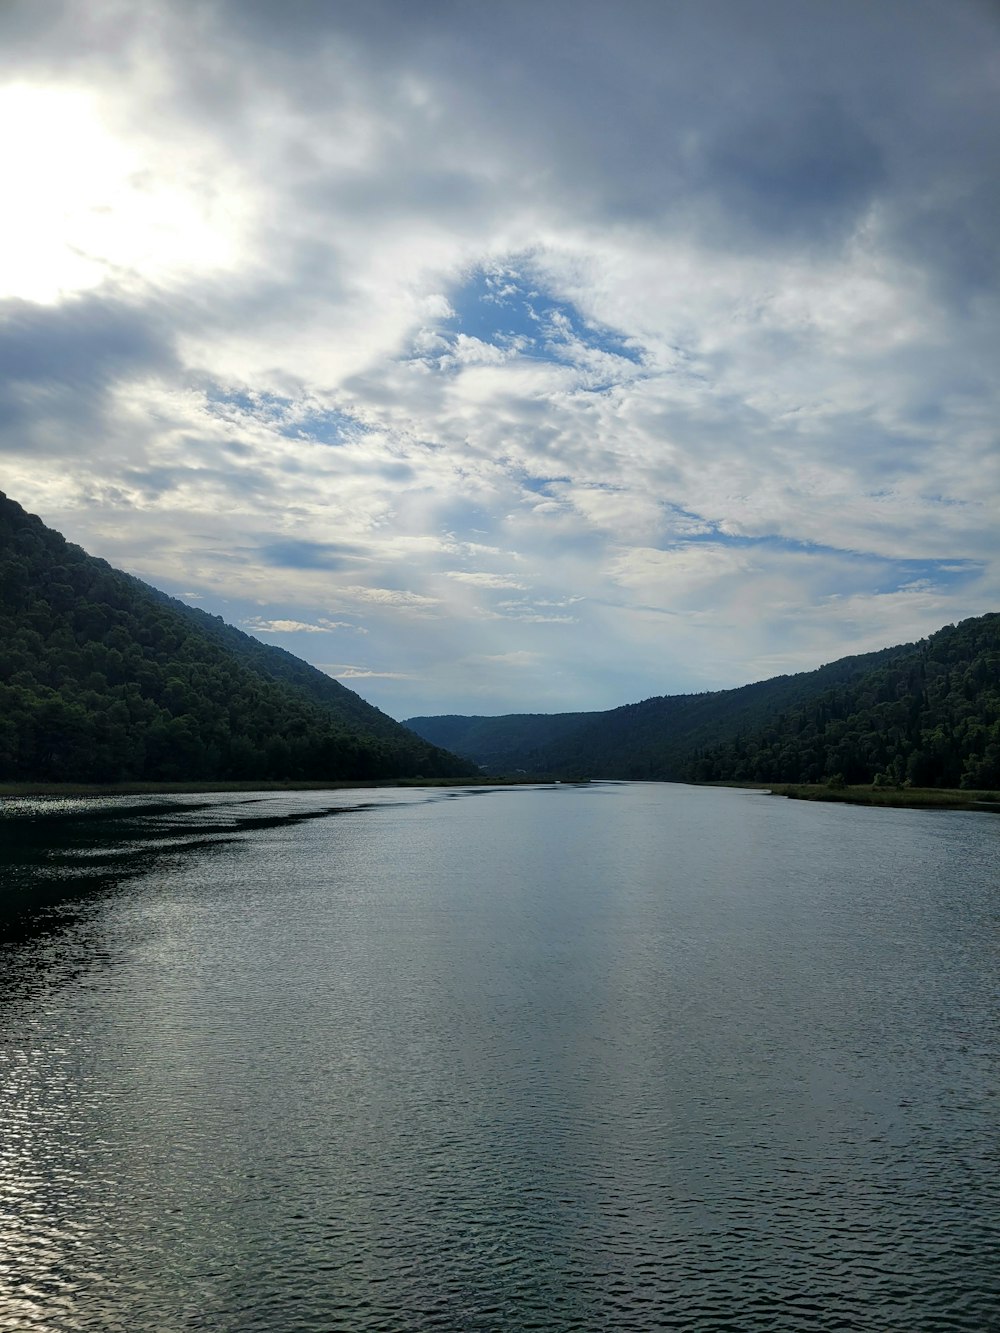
x=911, y=798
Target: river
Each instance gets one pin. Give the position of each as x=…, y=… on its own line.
x=617, y=1056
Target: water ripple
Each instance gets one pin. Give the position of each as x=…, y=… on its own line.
x=699, y=1061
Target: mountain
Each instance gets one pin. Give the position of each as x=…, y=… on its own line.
x=927, y=712
x=652, y=739
x=929, y=715
x=508, y=744
x=103, y=678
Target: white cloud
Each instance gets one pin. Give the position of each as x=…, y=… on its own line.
x=340, y=671
x=398, y=600
x=521, y=659
x=258, y=625
x=484, y=580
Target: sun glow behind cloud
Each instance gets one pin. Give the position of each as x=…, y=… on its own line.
x=84, y=206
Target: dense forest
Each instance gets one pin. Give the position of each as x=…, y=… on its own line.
x=926, y=714
x=103, y=678
x=929, y=716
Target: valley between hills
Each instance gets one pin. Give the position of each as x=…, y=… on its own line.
x=106, y=681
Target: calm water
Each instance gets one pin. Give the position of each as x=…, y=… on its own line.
x=616, y=1057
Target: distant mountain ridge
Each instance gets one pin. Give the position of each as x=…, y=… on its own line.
x=926, y=712
x=516, y=741
x=104, y=678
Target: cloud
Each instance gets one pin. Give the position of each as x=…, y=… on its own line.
x=60, y=364
x=518, y=659
x=675, y=321
x=809, y=178
x=258, y=625
x=484, y=580
x=394, y=597
x=308, y=555
x=342, y=672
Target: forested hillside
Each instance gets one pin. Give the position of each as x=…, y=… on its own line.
x=103, y=678
x=654, y=739
x=925, y=713
x=929, y=715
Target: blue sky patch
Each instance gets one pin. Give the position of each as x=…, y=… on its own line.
x=506, y=307
x=541, y=485
x=326, y=426
x=941, y=574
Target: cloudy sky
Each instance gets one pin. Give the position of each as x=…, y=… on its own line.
x=533, y=355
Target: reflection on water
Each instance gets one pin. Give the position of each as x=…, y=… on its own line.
x=623, y=1057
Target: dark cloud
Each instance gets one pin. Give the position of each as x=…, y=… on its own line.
x=808, y=174
x=90, y=340
x=399, y=187
x=956, y=240
x=60, y=35
x=57, y=363
x=750, y=121
x=308, y=555
x=787, y=118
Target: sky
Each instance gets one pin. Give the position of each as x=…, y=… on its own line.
x=538, y=355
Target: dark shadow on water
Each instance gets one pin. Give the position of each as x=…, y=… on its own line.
x=52, y=856
x=58, y=856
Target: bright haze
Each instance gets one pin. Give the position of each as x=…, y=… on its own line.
x=514, y=356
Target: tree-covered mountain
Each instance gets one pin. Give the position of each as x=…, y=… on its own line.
x=103, y=678
x=928, y=715
x=654, y=739
x=927, y=712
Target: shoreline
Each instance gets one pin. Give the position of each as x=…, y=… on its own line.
x=906, y=798
x=899, y=798
x=16, y=789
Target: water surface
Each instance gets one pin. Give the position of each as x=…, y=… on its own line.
x=609, y=1057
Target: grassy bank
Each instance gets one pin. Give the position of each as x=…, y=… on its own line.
x=910, y=798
